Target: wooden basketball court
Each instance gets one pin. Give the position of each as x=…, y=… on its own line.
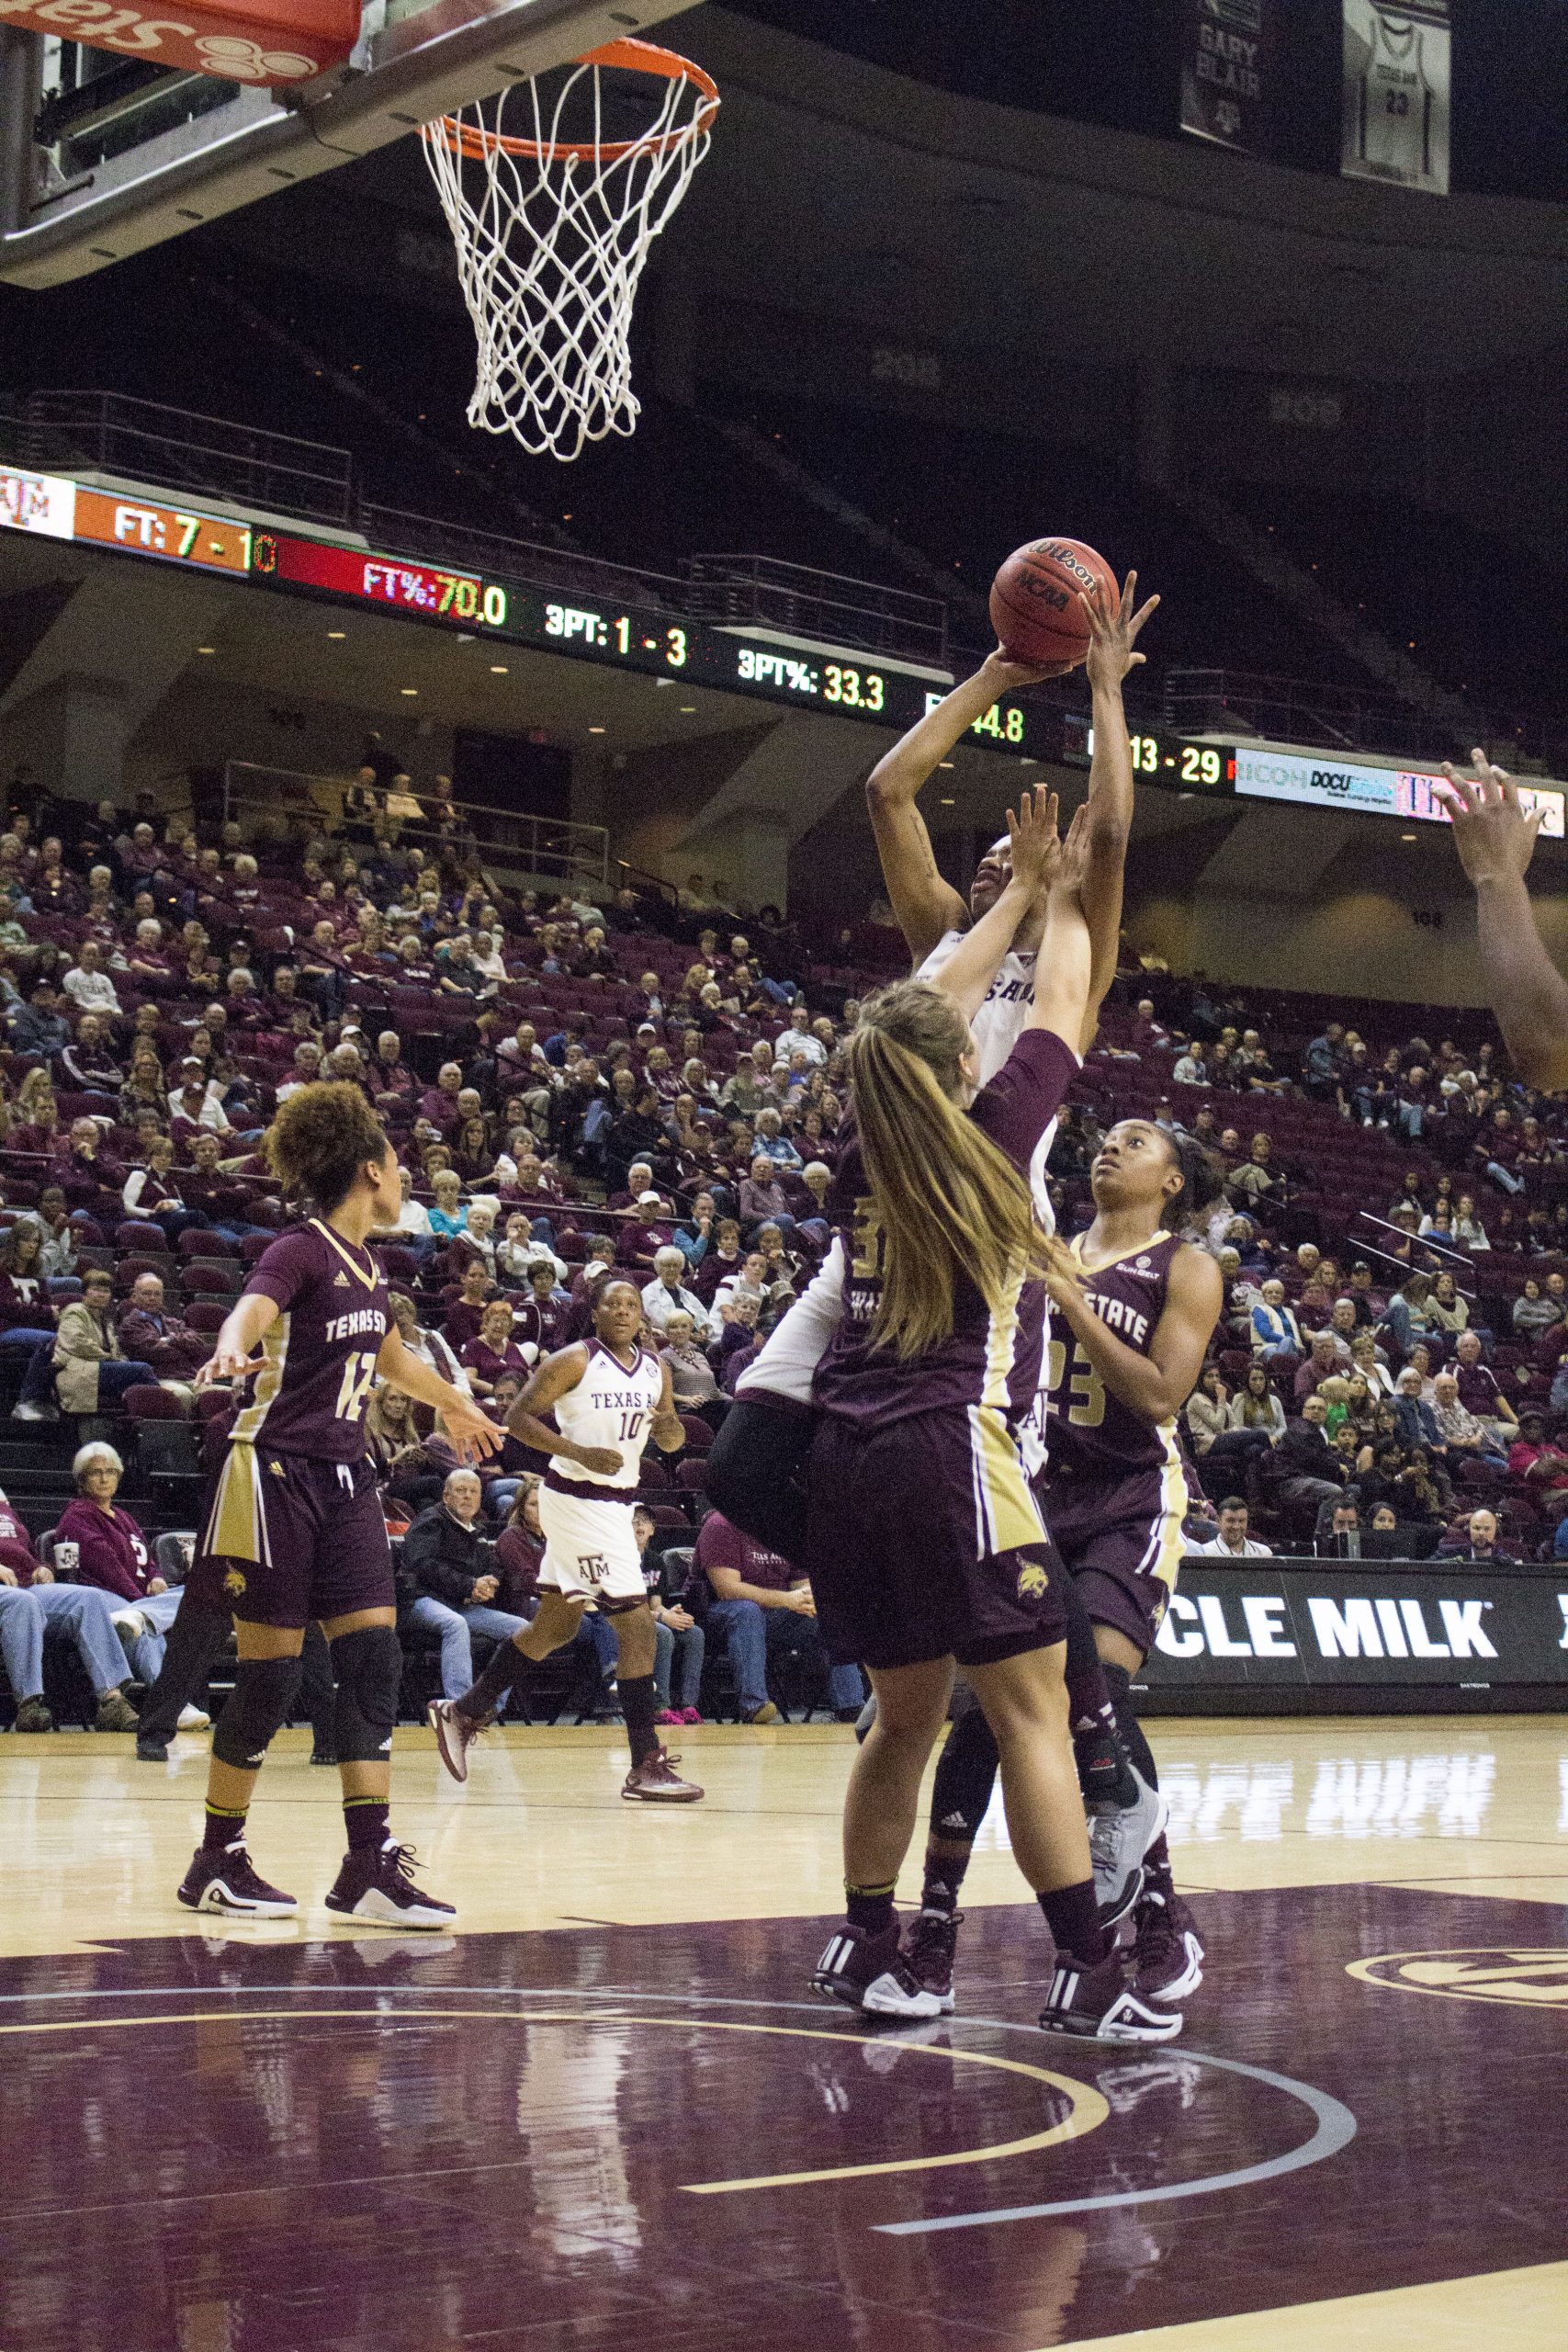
x=608, y=2111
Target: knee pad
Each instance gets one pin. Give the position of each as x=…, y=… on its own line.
x=368, y=1664
x=1118, y=1681
x=966, y=1776
x=256, y=1708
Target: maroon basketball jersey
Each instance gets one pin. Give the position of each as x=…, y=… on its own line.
x=311, y=1392
x=990, y=1358
x=1089, y=1434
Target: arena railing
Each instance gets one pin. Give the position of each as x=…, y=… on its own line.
x=555, y=847
x=826, y=605
x=1349, y=718
x=144, y=442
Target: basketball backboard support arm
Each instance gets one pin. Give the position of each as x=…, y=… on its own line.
x=404, y=72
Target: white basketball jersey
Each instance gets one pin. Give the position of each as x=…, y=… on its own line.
x=612, y=1405
x=996, y=1030
x=1396, y=104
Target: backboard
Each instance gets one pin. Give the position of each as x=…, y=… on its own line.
x=102, y=156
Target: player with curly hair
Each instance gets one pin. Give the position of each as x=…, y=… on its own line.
x=295, y=1531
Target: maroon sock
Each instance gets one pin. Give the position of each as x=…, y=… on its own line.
x=1073, y=1916
x=221, y=1829
x=366, y=1821
x=870, y=1908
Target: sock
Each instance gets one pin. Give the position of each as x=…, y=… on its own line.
x=869, y=1908
x=944, y=1876
x=1157, y=1879
x=365, y=1819
x=1118, y=1682
x=638, y=1702
x=1103, y=1773
x=1073, y=1916
x=223, y=1826
x=488, y=1693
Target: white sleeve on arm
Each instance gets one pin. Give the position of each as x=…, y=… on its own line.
x=788, y=1363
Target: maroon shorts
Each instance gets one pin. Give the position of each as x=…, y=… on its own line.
x=289, y=1538
x=910, y=1548
x=1122, y=1544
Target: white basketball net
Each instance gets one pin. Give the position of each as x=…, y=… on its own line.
x=552, y=232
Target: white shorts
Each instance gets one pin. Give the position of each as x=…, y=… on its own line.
x=590, y=1550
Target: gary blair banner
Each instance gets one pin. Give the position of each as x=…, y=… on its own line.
x=1226, y=71
x=1283, y=1623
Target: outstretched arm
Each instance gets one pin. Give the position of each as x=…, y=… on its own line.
x=1063, y=962
x=923, y=903
x=1496, y=839
x=1113, y=635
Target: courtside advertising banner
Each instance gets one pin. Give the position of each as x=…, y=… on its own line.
x=1225, y=71
x=1395, y=100
x=1289, y=1623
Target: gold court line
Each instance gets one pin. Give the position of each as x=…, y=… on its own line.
x=1088, y=2107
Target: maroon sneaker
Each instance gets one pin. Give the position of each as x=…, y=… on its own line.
x=454, y=1734
x=869, y=1974
x=930, y=1943
x=227, y=1881
x=655, y=1781
x=1100, y=2004
x=376, y=1883
x=1167, y=1958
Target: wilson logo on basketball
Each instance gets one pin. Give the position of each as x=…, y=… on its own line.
x=1060, y=553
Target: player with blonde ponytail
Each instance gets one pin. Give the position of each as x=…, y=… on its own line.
x=923, y=1541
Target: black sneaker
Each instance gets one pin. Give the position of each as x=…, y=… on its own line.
x=868, y=1973
x=227, y=1881
x=1100, y=2004
x=32, y=1715
x=377, y=1883
x=151, y=1748
x=930, y=1942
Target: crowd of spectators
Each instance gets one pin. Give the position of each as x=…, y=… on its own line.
x=649, y=1086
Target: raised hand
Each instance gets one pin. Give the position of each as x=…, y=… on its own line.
x=226, y=1363
x=1072, y=864
x=1493, y=832
x=1113, y=633
x=1006, y=676
x=1035, y=845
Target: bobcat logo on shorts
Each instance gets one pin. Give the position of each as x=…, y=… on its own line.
x=1033, y=1583
x=234, y=1584
x=592, y=1566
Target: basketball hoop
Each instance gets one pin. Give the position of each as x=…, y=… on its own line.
x=552, y=232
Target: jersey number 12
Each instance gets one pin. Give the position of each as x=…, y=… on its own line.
x=352, y=1396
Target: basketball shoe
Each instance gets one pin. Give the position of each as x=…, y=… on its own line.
x=1167, y=1958
x=930, y=1943
x=1119, y=1837
x=655, y=1781
x=1100, y=2004
x=869, y=1974
x=377, y=1883
x=454, y=1733
x=229, y=1881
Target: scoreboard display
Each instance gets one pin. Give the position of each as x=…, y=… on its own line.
x=684, y=647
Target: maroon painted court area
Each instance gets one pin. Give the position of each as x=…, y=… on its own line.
x=407, y=2144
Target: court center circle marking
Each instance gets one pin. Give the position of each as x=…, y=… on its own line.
x=1527, y=1976
x=1333, y=2124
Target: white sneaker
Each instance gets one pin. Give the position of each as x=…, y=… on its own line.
x=192, y=1719
x=34, y=1413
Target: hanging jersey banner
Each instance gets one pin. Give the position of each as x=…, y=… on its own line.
x=1395, y=112
x=234, y=41
x=1226, y=71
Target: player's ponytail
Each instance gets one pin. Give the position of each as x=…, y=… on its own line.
x=946, y=1202
x=324, y=1134
x=1201, y=1182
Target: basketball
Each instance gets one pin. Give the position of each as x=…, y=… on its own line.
x=1034, y=600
